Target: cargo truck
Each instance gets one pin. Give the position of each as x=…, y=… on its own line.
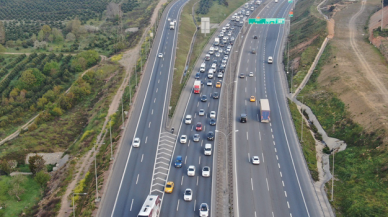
x=172, y=25
x=197, y=86
x=264, y=110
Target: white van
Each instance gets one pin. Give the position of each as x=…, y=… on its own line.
x=270, y=60
x=208, y=149
x=202, y=69
x=210, y=74
x=211, y=51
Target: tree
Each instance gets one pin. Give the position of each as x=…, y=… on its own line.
x=70, y=37
x=46, y=30
x=41, y=35
x=33, y=37
x=16, y=188
x=42, y=178
x=36, y=163
x=51, y=38
x=2, y=33
x=31, y=78
x=2, y=49
x=4, y=166
x=51, y=68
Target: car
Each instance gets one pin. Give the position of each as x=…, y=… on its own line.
x=229, y=46
x=232, y=39
x=206, y=171
x=169, y=187
x=250, y=74
x=201, y=112
x=226, y=57
x=212, y=122
x=178, y=162
x=255, y=37
x=169, y=19
x=216, y=48
x=232, y=27
x=220, y=75
x=218, y=54
x=255, y=160
x=203, y=210
x=252, y=99
x=203, y=98
x=212, y=114
x=197, y=75
x=208, y=149
x=183, y=139
x=218, y=84
x=253, y=51
x=188, y=119
x=215, y=61
x=198, y=127
x=270, y=60
x=243, y=118
x=188, y=195
x=220, y=50
x=136, y=142
x=214, y=66
x=191, y=171
x=230, y=33
x=224, y=61
x=209, y=83
x=210, y=136
x=160, y=55
x=196, y=138
x=242, y=75
x=174, y=20
x=215, y=95
x=223, y=65
x=207, y=57
x=227, y=51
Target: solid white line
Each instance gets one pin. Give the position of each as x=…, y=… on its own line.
x=267, y=183
x=142, y=157
x=252, y=184
x=131, y=205
x=137, y=179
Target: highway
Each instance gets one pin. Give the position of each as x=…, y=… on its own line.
x=193, y=152
x=133, y=172
x=281, y=184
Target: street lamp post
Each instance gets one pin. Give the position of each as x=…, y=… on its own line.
x=111, y=144
x=73, y=200
x=226, y=138
x=95, y=171
x=301, y=132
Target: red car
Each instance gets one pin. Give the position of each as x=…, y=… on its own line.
x=199, y=126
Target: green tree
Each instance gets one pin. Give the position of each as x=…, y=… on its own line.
x=42, y=178
x=4, y=166
x=2, y=33
x=46, y=31
x=41, y=102
x=31, y=78
x=57, y=111
x=16, y=188
x=51, y=68
x=36, y=164
x=41, y=35
x=2, y=49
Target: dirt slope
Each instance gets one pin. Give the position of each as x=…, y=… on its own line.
x=357, y=72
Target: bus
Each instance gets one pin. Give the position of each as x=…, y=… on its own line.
x=151, y=207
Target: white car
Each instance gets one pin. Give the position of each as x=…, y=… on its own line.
x=201, y=112
x=223, y=65
x=226, y=57
x=188, y=195
x=191, y=171
x=136, y=142
x=250, y=74
x=188, y=119
x=183, y=139
x=255, y=160
x=209, y=83
x=224, y=61
x=160, y=55
x=203, y=210
x=169, y=19
x=196, y=138
x=216, y=48
x=212, y=114
x=270, y=60
x=220, y=75
x=206, y=171
x=217, y=54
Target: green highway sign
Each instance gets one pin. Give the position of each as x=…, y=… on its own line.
x=266, y=21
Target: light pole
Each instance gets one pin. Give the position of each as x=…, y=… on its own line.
x=226, y=138
x=110, y=135
x=332, y=179
x=95, y=171
x=227, y=99
x=73, y=200
x=301, y=132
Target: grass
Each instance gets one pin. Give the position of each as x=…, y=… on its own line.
x=13, y=207
x=308, y=143
x=218, y=13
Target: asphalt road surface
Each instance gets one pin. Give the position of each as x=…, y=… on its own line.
x=280, y=185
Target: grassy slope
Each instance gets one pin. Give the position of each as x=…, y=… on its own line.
x=28, y=199
x=308, y=144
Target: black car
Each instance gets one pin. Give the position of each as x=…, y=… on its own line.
x=203, y=98
x=242, y=75
x=255, y=37
x=222, y=44
x=253, y=51
x=197, y=76
x=212, y=122
x=210, y=136
x=216, y=95
x=243, y=118
x=215, y=61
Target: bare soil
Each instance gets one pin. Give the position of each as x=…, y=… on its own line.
x=357, y=72
x=374, y=23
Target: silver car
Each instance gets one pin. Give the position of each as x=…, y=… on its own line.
x=196, y=138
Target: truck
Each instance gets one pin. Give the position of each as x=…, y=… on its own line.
x=151, y=207
x=172, y=25
x=197, y=86
x=264, y=110
x=216, y=41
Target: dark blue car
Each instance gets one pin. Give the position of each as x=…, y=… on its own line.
x=197, y=76
x=178, y=162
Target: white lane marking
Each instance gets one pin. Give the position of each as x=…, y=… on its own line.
x=249, y=157
x=185, y=159
x=146, y=139
x=160, y=72
x=131, y=205
x=154, y=100
x=279, y=165
x=281, y=175
x=195, y=115
x=157, y=90
x=201, y=142
x=255, y=214
x=182, y=180
x=283, y=183
x=208, y=105
x=272, y=136
x=245, y=90
x=273, y=142
x=288, y=204
x=267, y=183
x=276, y=150
x=259, y=131
x=247, y=136
x=252, y=183
x=152, y=112
x=271, y=130
x=262, y=155
x=137, y=179
x=177, y=206
x=142, y=156
x=188, y=143
x=197, y=104
x=199, y=161
x=197, y=180
x=255, y=89
x=195, y=202
x=158, y=81
x=149, y=124
x=161, y=66
x=285, y=193
x=277, y=157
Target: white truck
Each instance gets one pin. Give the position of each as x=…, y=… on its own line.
x=264, y=110
x=172, y=25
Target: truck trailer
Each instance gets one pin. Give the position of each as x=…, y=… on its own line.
x=264, y=110
x=197, y=86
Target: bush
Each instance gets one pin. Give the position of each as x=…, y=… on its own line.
x=326, y=150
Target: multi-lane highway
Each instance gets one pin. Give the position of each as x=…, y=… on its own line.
x=133, y=171
x=280, y=185
x=193, y=152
